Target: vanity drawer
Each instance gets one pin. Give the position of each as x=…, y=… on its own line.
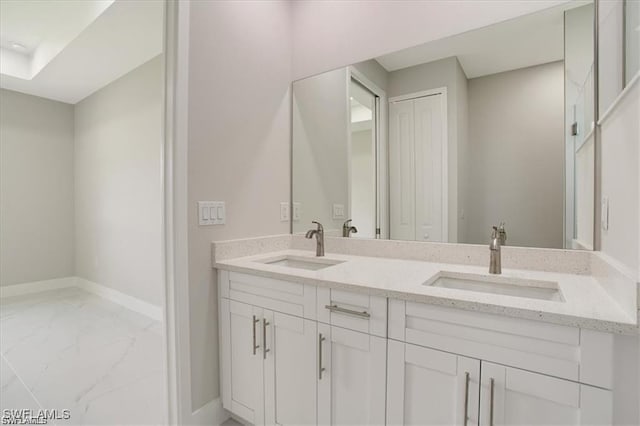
x=277, y=295
x=555, y=350
x=354, y=311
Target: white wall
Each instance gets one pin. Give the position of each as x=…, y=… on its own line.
x=462, y=132
x=579, y=157
x=620, y=163
x=320, y=129
x=516, y=164
x=609, y=52
x=239, y=140
x=332, y=34
x=36, y=189
x=363, y=179
x=118, y=141
x=443, y=73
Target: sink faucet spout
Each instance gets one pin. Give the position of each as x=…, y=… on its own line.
x=319, y=234
x=495, y=261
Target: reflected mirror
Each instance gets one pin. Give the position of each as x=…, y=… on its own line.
x=440, y=142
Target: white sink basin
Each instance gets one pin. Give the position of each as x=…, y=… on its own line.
x=508, y=286
x=301, y=262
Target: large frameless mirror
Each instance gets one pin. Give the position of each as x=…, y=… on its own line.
x=440, y=142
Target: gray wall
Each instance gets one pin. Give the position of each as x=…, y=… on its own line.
x=516, y=144
x=239, y=140
x=36, y=189
x=320, y=129
x=118, y=141
x=462, y=124
x=374, y=72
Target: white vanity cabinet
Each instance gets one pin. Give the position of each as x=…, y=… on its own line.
x=351, y=377
x=510, y=396
x=430, y=387
x=434, y=347
x=241, y=359
x=268, y=364
x=280, y=365
x=289, y=366
x=294, y=354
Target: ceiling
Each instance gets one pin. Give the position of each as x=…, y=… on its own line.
x=525, y=41
x=66, y=50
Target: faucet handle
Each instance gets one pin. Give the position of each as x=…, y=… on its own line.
x=320, y=227
x=494, y=232
x=502, y=233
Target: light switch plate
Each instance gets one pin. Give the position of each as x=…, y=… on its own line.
x=284, y=212
x=297, y=211
x=211, y=213
x=338, y=211
x=604, y=213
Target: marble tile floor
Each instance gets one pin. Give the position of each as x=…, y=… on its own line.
x=70, y=349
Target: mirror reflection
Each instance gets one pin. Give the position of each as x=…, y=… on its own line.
x=441, y=142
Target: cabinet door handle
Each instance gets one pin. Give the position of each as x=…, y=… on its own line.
x=466, y=398
x=491, y=386
x=255, y=320
x=336, y=308
x=320, y=367
x=265, y=323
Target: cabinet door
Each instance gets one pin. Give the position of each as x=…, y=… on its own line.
x=290, y=369
x=351, y=377
x=242, y=360
x=510, y=396
x=430, y=387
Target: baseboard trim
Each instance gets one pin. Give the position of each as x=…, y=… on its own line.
x=115, y=296
x=211, y=413
x=36, y=287
x=130, y=302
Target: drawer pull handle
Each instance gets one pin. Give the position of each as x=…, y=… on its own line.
x=466, y=398
x=320, y=367
x=491, y=386
x=265, y=323
x=336, y=308
x=255, y=320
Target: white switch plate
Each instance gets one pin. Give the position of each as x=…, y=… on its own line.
x=297, y=211
x=338, y=211
x=211, y=213
x=604, y=213
x=284, y=212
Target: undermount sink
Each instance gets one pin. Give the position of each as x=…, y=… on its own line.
x=301, y=262
x=508, y=286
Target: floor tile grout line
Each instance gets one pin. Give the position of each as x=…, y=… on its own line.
x=15, y=373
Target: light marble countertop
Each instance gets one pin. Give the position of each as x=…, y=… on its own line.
x=586, y=304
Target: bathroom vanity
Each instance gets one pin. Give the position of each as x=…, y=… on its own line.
x=345, y=339
x=414, y=157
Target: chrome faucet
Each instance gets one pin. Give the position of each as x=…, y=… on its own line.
x=319, y=234
x=347, y=229
x=495, y=263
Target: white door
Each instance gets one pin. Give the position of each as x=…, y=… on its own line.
x=430, y=387
x=429, y=153
x=402, y=176
x=241, y=350
x=290, y=369
x=510, y=396
x=351, y=377
x=417, y=168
